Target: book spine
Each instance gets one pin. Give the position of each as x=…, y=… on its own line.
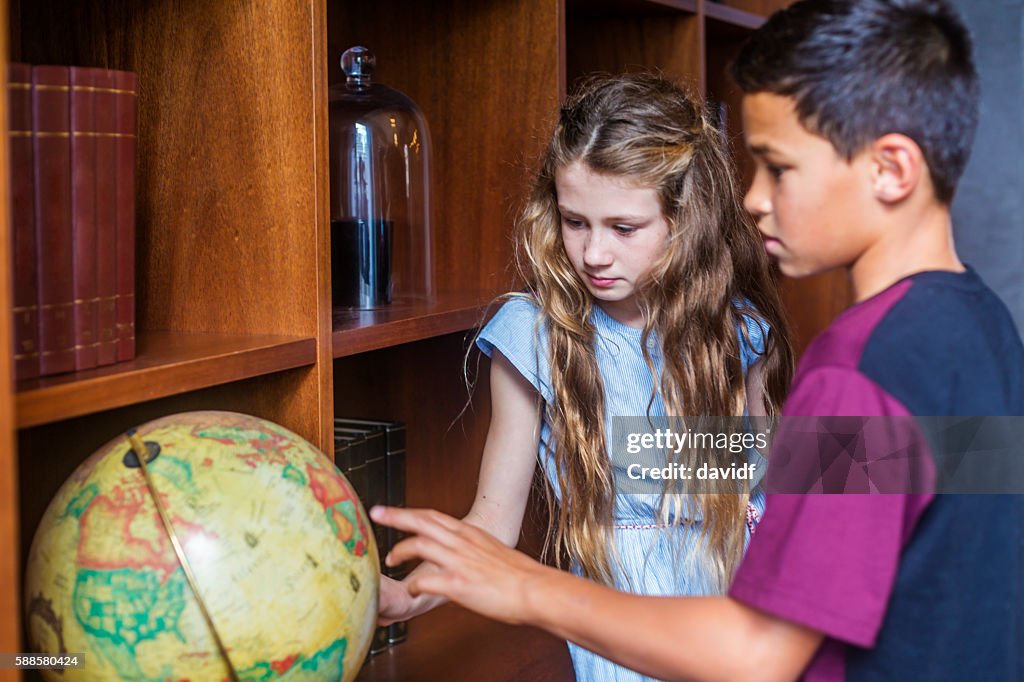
x=376, y=493
x=83, y=212
x=23, y=219
x=126, y=84
x=106, y=219
x=395, y=497
x=54, y=260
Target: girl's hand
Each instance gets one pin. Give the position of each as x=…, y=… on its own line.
x=474, y=569
x=395, y=601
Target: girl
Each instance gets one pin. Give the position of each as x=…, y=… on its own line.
x=649, y=294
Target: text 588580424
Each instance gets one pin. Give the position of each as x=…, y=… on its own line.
x=41, y=661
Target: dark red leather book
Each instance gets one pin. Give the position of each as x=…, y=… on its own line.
x=106, y=218
x=23, y=219
x=52, y=148
x=126, y=117
x=83, y=214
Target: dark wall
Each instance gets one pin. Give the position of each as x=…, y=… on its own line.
x=988, y=212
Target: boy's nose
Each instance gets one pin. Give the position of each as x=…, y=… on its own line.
x=757, y=200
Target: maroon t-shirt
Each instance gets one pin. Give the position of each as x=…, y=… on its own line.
x=852, y=566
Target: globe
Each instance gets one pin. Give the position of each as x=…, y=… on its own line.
x=274, y=577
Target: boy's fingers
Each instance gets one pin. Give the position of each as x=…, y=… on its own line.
x=419, y=547
x=435, y=583
x=420, y=521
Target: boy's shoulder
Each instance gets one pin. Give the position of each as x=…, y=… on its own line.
x=939, y=342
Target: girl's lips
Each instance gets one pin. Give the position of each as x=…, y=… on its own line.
x=602, y=281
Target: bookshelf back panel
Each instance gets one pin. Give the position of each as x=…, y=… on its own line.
x=229, y=188
x=485, y=73
x=226, y=204
x=671, y=43
x=421, y=384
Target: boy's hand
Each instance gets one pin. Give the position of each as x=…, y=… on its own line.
x=395, y=601
x=474, y=569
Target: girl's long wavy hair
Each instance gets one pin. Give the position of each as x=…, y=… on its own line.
x=646, y=129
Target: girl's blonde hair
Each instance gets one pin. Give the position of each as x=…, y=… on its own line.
x=645, y=128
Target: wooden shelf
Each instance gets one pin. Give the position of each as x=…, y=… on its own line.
x=167, y=363
x=358, y=331
x=588, y=8
x=723, y=18
x=455, y=645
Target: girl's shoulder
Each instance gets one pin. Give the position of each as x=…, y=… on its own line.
x=753, y=332
x=516, y=330
x=518, y=312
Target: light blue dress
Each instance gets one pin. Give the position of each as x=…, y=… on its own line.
x=653, y=560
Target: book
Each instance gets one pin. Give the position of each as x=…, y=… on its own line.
x=394, y=496
x=54, y=261
x=23, y=218
x=106, y=219
x=126, y=85
x=371, y=475
x=83, y=213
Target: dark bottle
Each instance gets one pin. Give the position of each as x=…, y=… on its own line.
x=380, y=190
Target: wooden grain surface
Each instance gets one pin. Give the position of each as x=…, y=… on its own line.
x=166, y=363
x=485, y=73
x=671, y=43
x=232, y=233
x=732, y=16
x=455, y=645
x=10, y=627
x=404, y=321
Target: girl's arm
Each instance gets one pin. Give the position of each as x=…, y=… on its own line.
x=755, y=390
x=674, y=638
x=506, y=474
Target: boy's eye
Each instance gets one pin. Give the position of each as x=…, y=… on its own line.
x=775, y=171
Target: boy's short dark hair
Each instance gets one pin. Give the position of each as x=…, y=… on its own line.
x=860, y=69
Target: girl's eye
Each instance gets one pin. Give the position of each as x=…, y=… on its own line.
x=775, y=171
x=625, y=230
x=574, y=223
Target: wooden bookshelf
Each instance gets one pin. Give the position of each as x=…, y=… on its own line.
x=167, y=363
x=724, y=15
x=233, y=239
x=405, y=321
x=453, y=644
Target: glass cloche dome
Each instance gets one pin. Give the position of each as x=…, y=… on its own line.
x=380, y=190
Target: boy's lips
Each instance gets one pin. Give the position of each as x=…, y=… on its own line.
x=771, y=244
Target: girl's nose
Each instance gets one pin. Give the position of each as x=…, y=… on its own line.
x=596, y=251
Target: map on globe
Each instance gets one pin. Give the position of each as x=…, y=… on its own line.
x=278, y=543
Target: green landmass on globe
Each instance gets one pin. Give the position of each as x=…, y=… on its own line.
x=277, y=541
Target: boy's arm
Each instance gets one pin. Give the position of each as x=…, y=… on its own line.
x=676, y=638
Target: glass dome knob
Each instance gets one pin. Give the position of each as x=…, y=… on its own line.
x=358, y=63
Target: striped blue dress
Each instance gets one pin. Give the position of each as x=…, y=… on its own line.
x=652, y=559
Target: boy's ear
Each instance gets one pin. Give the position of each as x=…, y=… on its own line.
x=897, y=167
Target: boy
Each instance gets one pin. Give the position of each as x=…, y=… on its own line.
x=860, y=116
